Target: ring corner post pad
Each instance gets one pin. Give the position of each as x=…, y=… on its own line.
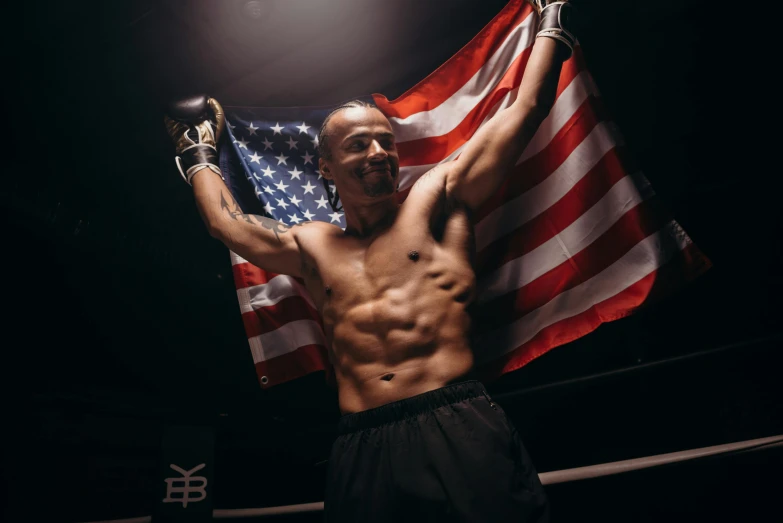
x=184, y=484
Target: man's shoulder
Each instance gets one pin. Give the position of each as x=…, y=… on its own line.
x=316, y=230
x=317, y=227
x=317, y=238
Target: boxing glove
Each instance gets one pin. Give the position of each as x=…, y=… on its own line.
x=195, y=125
x=555, y=22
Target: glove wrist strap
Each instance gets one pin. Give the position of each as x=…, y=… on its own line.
x=196, y=157
x=555, y=22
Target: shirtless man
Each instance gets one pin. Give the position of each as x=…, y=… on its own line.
x=418, y=437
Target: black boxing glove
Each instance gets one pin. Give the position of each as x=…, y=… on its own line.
x=195, y=125
x=555, y=22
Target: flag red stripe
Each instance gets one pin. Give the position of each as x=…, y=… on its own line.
x=582, y=196
x=566, y=330
x=538, y=167
x=442, y=83
x=248, y=275
x=685, y=266
x=571, y=69
x=420, y=147
x=633, y=227
x=433, y=149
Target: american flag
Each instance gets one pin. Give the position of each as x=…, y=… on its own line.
x=574, y=238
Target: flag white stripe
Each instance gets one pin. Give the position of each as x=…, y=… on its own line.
x=266, y=294
x=285, y=339
x=449, y=114
x=564, y=108
x=236, y=259
x=409, y=175
x=539, y=198
x=644, y=258
x=566, y=104
x=626, y=194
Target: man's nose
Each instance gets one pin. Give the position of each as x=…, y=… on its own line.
x=376, y=151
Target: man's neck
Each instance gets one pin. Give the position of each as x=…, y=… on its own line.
x=365, y=220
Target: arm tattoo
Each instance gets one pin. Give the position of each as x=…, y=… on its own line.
x=424, y=177
x=233, y=210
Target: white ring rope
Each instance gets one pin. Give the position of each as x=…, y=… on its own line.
x=618, y=467
x=547, y=478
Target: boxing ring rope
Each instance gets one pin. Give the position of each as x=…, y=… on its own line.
x=547, y=478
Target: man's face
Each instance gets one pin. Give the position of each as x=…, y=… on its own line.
x=364, y=164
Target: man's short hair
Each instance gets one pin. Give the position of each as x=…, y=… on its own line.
x=325, y=152
x=323, y=137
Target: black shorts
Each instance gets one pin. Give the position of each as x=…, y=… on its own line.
x=450, y=454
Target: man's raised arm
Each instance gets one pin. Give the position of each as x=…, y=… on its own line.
x=264, y=242
x=491, y=153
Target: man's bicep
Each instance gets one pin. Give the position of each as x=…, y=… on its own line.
x=490, y=155
x=264, y=242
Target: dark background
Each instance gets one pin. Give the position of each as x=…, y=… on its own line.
x=120, y=313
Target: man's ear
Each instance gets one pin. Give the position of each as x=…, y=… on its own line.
x=324, y=169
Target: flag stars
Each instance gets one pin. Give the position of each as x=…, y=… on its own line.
x=255, y=158
x=292, y=143
x=294, y=218
x=242, y=143
x=296, y=201
x=322, y=202
x=268, y=208
x=309, y=188
x=315, y=142
x=267, y=144
x=308, y=158
x=277, y=128
x=282, y=203
x=295, y=173
x=335, y=217
x=251, y=130
x=268, y=190
x=307, y=214
x=302, y=128
x=281, y=159
x=281, y=186
x=268, y=172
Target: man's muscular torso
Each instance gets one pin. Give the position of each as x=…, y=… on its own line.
x=394, y=304
x=394, y=288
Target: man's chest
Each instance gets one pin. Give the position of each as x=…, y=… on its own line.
x=427, y=239
x=396, y=267
x=347, y=271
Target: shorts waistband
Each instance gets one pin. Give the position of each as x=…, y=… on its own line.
x=413, y=406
